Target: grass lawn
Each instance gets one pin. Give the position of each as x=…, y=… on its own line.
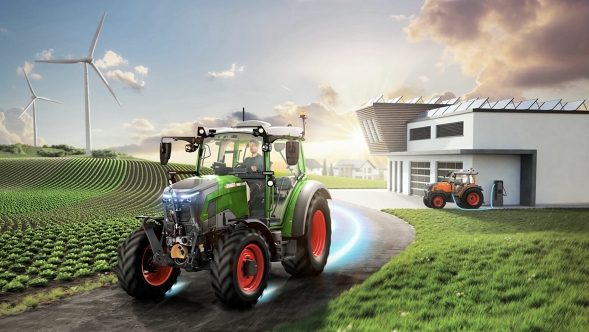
x=499, y=270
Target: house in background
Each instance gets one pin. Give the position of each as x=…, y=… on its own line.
x=314, y=167
x=358, y=169
x=538, y=149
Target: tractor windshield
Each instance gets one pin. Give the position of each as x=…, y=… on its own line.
x=238, y=154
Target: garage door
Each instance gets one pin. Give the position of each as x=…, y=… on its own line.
x=420, y=177
x=446, y=167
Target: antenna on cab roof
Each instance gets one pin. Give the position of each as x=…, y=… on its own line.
x=244, y=114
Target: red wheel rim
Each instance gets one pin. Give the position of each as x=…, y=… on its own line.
x=438, y=201
x=155, y=278
x=473, y=199
x=318, y=232
x=251, y=252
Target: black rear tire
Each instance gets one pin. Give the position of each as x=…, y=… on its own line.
x=133, y=257
x=472, y=199
x=313, y=247
x=230, y=283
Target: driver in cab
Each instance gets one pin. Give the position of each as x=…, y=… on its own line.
x=255, y=163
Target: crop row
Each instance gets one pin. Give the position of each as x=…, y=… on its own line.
x=17, y=174
x=82, y=238
x=77, y=181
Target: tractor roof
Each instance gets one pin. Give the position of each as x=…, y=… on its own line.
x=246, y=127
x=466, y=172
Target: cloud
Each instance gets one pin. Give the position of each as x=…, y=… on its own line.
x=510, y=45
x=402, y=18
x=110, y=59
x=323, y=125
x=141, y=70
x=44, y=55
x=228, y=73
x=28, y=68
x=126, y=77
x=407, y=91
x=140, y=125
x=444, y=95
x=327, y=94
x=3, y=30
x=17, y=130
x=423, y=78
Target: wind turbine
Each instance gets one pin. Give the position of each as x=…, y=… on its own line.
x=32, y=102
x=88, y=61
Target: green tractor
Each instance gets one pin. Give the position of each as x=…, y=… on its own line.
x=258, y=207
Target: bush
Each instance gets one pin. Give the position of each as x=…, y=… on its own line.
x=64, y=276
x=54, y=260
x=49, y=274
x=105, y=154
x=38, y=282
x=14, y=149
x=22, y=279
x=7, y=276
x=17, y=267
x=69, y=150
x=33, y=270
x=13, y=286
x=101, y=266
x=83, y=272
x=45, y=153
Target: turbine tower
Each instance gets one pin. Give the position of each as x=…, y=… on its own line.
x=88, y=61
x=32, y=102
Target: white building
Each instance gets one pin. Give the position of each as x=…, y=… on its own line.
x=314, y=167
x=358, y=169
x=539, y=149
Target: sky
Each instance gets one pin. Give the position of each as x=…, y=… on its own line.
x=177, y=65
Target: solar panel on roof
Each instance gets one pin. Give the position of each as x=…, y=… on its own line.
x=550, y=105
x=378, y=98
x=433, y=100
x=465, y=105
x=451, y=101
x=511, y=106
x=395, y=100
x=501, y=104
x=437, y=111
x=451, y=109
x=478, y=103
x=491, y=104
x=573, y=105
x=413, y=101
x=526, y=104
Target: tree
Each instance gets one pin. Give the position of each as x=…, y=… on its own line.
x=331, y=169
x=324, y=170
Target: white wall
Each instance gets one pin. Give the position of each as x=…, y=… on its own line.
x=499, y=167
x=562, y=142
x=446, y=143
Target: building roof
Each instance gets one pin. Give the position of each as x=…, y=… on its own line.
x=505, y=104
x=312, y=164
x=354, y=163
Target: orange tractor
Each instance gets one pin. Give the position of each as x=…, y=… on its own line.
x=461, y=187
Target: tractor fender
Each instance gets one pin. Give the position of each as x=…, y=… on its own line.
x=262, y=228
x=302, y=205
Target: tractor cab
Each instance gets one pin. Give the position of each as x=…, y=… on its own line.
x=459, y=179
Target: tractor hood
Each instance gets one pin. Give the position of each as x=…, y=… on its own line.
x=204, y=186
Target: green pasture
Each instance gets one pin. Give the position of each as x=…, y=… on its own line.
x=499, y=270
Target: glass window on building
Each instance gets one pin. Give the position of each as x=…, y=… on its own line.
x=445, y=167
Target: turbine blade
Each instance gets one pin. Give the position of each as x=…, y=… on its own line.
x=93, y=45
x=105, y=82
x=26, y=108
x=43, y=98
x=62, y=61
x=30, y=87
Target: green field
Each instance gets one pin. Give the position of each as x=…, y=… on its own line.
x=500, y=270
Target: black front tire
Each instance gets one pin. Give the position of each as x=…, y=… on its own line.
x=230, y=284
x=151, y=283
x=426, y=202
x=437, y=201
x=313, y=247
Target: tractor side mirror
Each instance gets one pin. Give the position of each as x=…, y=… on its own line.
x=165, y=151
x=292, y=152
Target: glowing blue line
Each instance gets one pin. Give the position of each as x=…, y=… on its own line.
x=176, y=288
x=332, y=259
